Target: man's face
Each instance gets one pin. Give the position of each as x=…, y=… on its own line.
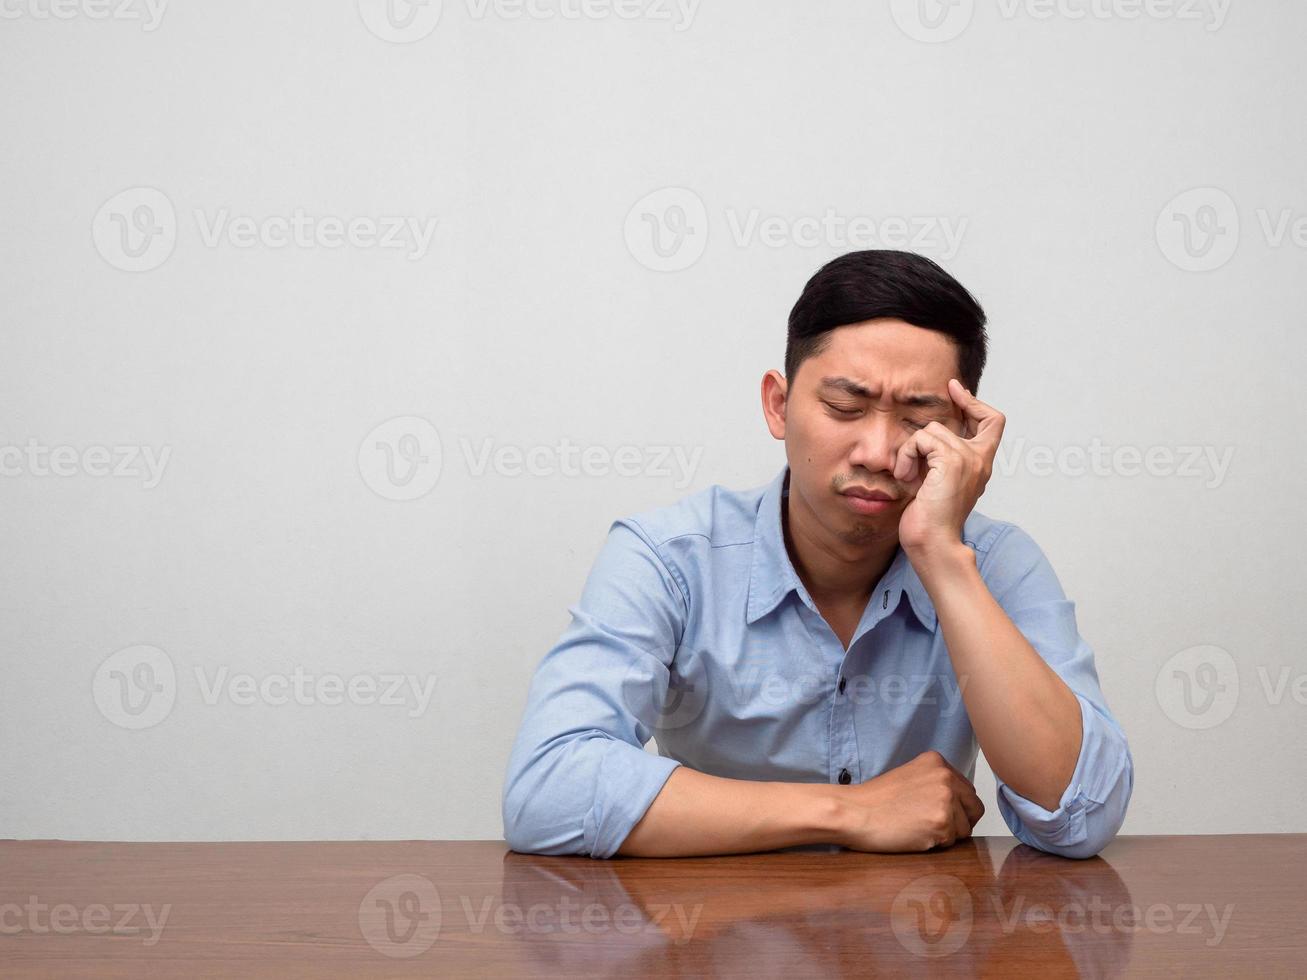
x=847, y=412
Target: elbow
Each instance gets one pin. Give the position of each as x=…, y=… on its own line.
x=1087, y=848
x=538, y=818
x=521, y=827
x=1098, y=822
x=517, y=829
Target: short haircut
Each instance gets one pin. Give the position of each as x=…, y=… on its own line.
x=878, y=283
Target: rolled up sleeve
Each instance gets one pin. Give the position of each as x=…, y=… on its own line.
x=578, y=777
x=1093, y=806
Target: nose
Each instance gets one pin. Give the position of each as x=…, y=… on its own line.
x=879, y=436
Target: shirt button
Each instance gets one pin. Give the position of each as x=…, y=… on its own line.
x=842, y=682
x=845, y=778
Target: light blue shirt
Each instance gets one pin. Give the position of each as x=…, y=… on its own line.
x=694, y=628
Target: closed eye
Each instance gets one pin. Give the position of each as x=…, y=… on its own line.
x=849, y=413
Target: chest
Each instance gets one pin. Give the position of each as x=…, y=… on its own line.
x=843, y=618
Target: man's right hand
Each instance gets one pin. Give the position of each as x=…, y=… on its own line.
x=921, y=804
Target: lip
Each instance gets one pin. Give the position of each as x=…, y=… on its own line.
x=867, y=494
x=868, y=501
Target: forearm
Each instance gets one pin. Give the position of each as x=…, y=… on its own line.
x=1027, y=721
x=696, y=814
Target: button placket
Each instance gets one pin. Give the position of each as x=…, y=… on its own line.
x=844, y=739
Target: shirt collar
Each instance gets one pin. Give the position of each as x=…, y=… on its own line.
x=772, y=576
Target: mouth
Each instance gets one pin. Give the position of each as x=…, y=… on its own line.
x=866, y=502
x=862, y=493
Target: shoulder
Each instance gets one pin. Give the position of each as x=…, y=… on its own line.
x=715, y=517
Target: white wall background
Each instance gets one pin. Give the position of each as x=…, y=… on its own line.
x=1056, y=145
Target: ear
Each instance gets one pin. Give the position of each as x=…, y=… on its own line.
x=775, y=394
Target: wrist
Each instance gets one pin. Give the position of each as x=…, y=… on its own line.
x=941, y=558
x=822, y=811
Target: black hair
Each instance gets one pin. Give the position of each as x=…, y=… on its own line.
x=878, y=283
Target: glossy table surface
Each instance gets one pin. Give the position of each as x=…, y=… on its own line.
x=1148, y=906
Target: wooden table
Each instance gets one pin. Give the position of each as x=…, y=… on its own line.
x=1149, y=906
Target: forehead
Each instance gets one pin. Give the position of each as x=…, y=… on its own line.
x=887, y=353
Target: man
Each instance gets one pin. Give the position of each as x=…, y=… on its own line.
x=820, y=658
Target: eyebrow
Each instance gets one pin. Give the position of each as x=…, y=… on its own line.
x=851, y=387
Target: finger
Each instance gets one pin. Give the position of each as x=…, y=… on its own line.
x=966, y=793
x=980, y=420
x=961, y=822
x=914, y=455
x=971, y=802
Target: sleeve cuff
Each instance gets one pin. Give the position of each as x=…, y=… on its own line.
x=1097, y=772
x=628, y=781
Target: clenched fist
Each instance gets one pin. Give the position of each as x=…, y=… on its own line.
x=921, y=804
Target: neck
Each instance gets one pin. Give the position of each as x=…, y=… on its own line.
x=832, y=569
